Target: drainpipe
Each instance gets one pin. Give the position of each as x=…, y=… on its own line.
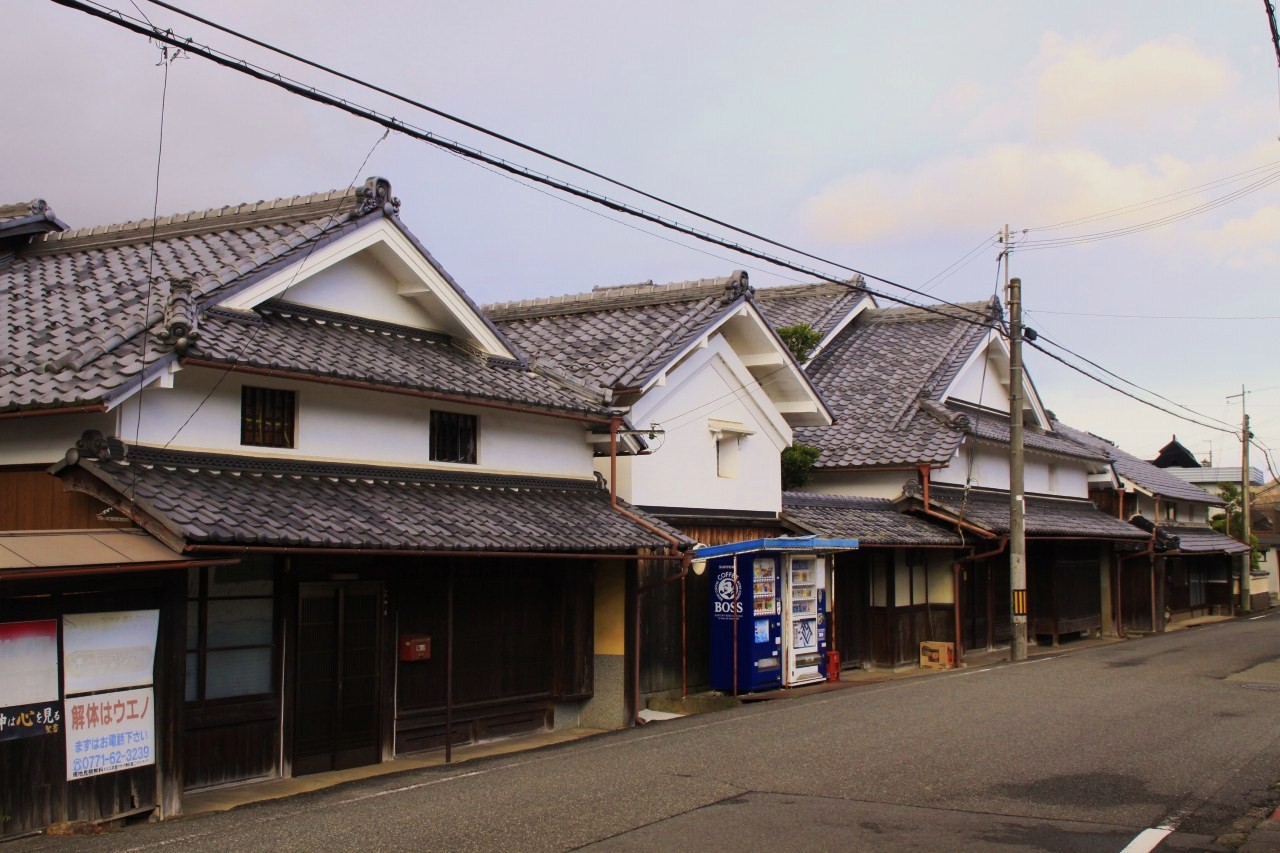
x=673, y=551
x=955, y=586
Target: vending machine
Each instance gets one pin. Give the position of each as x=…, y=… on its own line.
x=768, y=611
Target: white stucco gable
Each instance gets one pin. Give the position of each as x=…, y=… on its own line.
x=377, y=272
x=983, y=381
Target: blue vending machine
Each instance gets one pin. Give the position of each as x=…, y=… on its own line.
x=769, y=611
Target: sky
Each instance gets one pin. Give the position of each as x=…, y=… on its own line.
x=897, y=139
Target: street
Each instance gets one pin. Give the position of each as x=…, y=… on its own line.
x=1082, y=750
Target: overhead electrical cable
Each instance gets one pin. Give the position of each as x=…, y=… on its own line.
x=978, y=318
x=1033, y=244
x=1120, y=390
x=1158, y=200
x=1042, y=337
x=1155, y=316
x=541, y=152
x=114, y=16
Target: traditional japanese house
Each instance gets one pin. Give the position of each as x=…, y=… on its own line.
x=715, y=396
x=300, y=506
x=1185, y=568
x=923, y=412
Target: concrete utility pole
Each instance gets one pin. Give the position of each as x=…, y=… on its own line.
x=1245, y=532
x=1017, y=504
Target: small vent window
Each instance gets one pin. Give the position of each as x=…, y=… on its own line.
x=453, y=437
x=267, y=417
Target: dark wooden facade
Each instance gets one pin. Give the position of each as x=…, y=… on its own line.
x=1064, y=589
x=665, y=627
x=319, y=685
x=36, y=792
x=871, y=628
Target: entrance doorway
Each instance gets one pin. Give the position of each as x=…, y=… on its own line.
x=337, y=706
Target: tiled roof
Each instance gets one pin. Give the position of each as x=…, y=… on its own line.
x=1147, y=476
x=822, y=305
x=1203, y=540
x=872, y=521
x=995, y=428
x=617, y=337
x=234, y=500
x=304, y=340
x=1046, y=517
x=874, y=376
x=75, y=302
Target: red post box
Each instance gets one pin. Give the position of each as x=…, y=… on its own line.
x=415, y=647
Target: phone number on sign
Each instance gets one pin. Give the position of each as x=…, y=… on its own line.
x=102, y=762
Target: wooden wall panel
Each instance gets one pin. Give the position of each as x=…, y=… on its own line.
x=32, y=499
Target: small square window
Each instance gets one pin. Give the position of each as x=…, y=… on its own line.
x=1170, y=512
x=267, y=417
x=453, y=437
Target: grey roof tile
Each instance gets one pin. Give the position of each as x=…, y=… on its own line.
x=822, y=306
x=1045, y=516
x=872, y=521
x=1156, y=480
x=874, y=374
x=236, y=500
x=1203, y=540
x=308, y=341
x=617, y=337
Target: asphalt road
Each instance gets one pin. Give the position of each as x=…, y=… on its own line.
x=1078, y=751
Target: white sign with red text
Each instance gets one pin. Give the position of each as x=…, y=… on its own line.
x=109, y=732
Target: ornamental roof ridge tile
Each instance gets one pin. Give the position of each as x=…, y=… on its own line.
x=263, y=212
x=614, y=297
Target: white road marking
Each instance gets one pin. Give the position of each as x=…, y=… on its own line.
x=1147, y=840
x=177, y=840
x=1263, y=616
x=405, y=788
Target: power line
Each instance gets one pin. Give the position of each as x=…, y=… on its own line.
x=1154, y=202
x=1100, y=381
x=253, y=334
x=1154, y=316
x=114, y=16
x=512, y=141
x=117, y=18
x=1270, y=178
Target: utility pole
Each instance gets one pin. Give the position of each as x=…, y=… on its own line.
x=1245, y=532
x=1017, y=504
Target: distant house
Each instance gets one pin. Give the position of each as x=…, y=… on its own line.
x=1264, y=582
x=712, y=397
x=269, y=475
x=1186, y=567
x=922, y=403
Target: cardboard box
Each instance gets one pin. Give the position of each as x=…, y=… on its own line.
x=937, y=655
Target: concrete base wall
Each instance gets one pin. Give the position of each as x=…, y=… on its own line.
x=607, y=709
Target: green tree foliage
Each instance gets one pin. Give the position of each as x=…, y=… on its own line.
x=797, y=465
x=1232, y=522
x=801, y=339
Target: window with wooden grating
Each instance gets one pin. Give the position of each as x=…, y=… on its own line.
x=267, y=416
x=453, y=437
x=231, y=630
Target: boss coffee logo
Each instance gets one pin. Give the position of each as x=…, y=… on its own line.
x=728, y=593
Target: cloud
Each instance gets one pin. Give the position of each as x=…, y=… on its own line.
x=1247, y=242
x=961, y=99
x=1158, y=83
x=1021, y=184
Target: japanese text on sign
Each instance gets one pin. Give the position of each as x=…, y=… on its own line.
x=109, y=732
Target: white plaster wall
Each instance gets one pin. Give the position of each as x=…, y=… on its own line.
x=870, y=484
x=941, y=590
x=351, y=425
x=1041, y=475
x=362, y=286
x=46, y=438
x=682, y=471
x=984, y=390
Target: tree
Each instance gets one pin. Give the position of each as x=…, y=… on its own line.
x=797, y=465
x=801, y=339
x=1232, y=521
